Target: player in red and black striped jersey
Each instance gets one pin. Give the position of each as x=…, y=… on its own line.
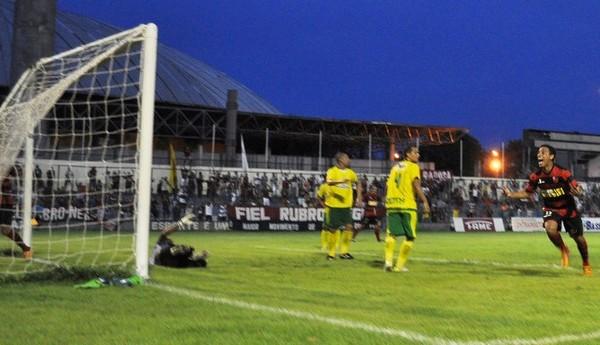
x=557, y=187
x=372, y=213
x=7, y=212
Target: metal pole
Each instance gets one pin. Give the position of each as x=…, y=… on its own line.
x=320, y=148
x=370, y=149
x=461, y=158
x=212, y=152
x=502, y=159
x=267, y=149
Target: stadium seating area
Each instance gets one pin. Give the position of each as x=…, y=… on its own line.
x=465, y=197
x=209, y=192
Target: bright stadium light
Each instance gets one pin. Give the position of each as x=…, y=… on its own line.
x=495, y=165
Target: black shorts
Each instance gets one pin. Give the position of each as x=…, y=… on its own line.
x=572, y=225
x=6, y=215
x=368, y=221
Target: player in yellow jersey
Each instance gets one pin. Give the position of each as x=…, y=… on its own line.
x=339, y=201
x=321, y=196
x=403, y=184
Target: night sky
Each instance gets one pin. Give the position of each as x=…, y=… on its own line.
x=494, y=67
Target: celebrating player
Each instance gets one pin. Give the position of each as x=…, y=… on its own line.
x=402, y=185
x=340, y=179
x=557, y=188
x=7, y=213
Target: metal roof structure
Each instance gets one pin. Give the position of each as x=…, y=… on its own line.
x=180, y=78
x=191, y=98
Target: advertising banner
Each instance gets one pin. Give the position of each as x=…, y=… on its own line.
x=527, y=224
x=196, y=226
x=280, y=218
x=478, y=225
x=62, y=214
x=591, y=224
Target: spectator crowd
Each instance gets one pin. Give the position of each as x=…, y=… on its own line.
x=208, y=193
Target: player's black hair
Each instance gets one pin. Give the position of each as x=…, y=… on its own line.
x=550, y=148
x=408, y=149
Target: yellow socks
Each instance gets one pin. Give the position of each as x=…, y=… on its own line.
x=332, y=240
x=324, y=239
x=390, y=244
x=405, y=249
x=345, y=242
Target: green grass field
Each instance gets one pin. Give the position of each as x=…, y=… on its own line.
x=277, y=288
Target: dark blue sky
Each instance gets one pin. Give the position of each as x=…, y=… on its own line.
x=495, y=67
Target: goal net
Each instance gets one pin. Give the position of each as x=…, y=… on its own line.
x=76, y=157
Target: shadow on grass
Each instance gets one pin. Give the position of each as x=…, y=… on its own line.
x=376, y=263
x=530, y=272
x=487, y=269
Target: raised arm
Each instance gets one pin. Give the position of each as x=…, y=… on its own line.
x=521, y=194
x=185, y=220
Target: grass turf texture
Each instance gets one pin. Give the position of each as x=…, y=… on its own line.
x=461, y=287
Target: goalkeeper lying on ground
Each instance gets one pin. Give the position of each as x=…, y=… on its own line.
x=167, y=253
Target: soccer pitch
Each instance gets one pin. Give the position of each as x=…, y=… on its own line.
x=277, y=288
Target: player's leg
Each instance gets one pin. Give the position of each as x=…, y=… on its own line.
x=9, y=232
x=393, y=228
x=390, y=245
x=333, y=236
x=409, y=222
x=346, y=239
x=324, y=237
x=332, y=224
x=356, y=230
x=552, y=223
x=377, y=230
x=325, y=230
x=575, y=228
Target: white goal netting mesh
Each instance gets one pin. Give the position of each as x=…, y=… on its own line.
x=82, y=108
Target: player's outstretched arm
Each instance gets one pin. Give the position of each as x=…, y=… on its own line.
x=521, y=194
x=185, y=220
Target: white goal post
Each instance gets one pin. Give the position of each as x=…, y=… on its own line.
x=86, y=112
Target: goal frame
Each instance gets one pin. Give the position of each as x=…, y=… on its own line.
x=145, y=137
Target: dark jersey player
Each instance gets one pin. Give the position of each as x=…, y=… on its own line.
x=557, y=187
x=7, y=205
x=167, y=253
x=371, y=216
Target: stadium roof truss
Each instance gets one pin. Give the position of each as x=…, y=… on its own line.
x=196, y=123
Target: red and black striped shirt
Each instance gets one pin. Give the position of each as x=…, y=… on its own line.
x=554, y=188
x=371, y=201
x=6, y=194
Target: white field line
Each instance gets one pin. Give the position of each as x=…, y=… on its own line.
x=356, y=325
x=432, y=260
